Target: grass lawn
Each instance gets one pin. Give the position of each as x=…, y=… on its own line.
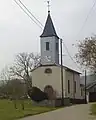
x=8, y=112
x=93, y=109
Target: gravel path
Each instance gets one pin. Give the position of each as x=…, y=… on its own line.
x=77, y=112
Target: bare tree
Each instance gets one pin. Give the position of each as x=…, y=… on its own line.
x=4, y=78
x=16, y=91
x=5, y=74
x=20, y=70
x=24, y=62
x=86, y=55
x=11, y=88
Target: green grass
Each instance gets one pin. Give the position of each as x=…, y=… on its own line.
x=8, y=112
x=93, y=109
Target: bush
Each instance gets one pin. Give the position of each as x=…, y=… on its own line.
x=37, y=95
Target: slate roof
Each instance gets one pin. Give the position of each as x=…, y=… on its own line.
x=90, y=85
x=90, y=79
x=49, y=29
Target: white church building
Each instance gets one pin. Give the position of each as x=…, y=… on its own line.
x=49, y=72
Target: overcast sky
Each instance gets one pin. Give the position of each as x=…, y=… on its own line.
x=19, y=34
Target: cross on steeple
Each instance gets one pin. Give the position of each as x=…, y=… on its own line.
x=48, y=6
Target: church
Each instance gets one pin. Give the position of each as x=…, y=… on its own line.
x=48, y=73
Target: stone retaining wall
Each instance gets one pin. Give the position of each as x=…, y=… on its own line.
x=52, y=103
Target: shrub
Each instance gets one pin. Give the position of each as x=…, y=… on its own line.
x=37, y=95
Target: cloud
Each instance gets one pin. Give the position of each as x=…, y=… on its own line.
x=18, y=33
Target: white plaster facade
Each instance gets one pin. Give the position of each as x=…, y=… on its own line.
x=73, y=77
x=40, y=79
x=52, y=52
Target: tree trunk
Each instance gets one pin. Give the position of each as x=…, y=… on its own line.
x=15, y=105
x=22, y=104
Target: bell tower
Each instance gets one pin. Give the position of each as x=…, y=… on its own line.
x=49, y=42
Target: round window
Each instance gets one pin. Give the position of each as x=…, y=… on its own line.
x=48, y=70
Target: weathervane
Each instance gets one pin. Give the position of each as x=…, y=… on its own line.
x=48, y=6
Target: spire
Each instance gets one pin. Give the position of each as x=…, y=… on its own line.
x=48, y=7
x=49, y=29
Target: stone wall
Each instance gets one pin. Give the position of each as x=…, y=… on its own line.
x=52, y=103
x=47, y=103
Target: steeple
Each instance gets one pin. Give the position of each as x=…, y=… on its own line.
x=49, y=29
x=49, y=43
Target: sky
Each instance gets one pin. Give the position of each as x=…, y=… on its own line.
x=20, y=34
